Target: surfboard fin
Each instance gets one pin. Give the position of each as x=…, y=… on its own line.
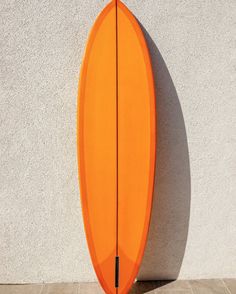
x=117, y=271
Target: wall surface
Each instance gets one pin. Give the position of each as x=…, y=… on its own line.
x=193, y=49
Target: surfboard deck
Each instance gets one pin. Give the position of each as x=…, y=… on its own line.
x=116, y=143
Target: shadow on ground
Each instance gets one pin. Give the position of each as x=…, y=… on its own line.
x=147, y=286
x=172, y=192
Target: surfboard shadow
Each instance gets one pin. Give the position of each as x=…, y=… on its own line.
x=172, y=192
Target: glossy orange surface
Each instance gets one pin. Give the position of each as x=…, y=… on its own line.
x=116, y=145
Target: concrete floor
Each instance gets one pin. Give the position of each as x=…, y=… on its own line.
x=224, y=286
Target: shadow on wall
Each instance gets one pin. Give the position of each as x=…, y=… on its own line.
x=172, y=193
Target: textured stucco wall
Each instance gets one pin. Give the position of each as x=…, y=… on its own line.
x=193, y=47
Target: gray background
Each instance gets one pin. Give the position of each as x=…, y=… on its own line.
x=193, y=49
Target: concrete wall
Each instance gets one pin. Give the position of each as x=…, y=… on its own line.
x=193, y=48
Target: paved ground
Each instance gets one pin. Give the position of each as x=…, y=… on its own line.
x=225, y=286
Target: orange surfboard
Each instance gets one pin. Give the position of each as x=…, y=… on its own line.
x=116, y=146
